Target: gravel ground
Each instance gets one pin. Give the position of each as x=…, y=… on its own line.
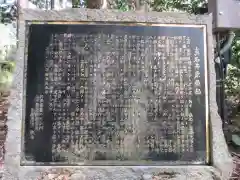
x=236, y=173
x=3, y=127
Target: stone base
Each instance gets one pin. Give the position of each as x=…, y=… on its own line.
x=115, y=173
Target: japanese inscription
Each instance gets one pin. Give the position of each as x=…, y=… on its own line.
x=116, y=93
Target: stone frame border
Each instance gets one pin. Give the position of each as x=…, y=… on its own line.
x=222, y=163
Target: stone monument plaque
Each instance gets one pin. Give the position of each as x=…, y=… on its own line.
x=115, y=94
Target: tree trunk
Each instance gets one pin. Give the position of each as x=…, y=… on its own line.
x=96, y=4
x=142, y=5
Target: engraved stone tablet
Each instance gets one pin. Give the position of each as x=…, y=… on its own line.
x=116, y=94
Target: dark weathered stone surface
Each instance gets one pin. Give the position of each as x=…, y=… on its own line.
x=222, y=162
x=133, y=148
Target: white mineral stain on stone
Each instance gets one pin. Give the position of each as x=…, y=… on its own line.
x=78, y=176
x=147, y=177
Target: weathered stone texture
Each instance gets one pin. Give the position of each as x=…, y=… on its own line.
x=222, y=162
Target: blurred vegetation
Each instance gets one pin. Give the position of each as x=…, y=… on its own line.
x=8, y=15
x=7, y=66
